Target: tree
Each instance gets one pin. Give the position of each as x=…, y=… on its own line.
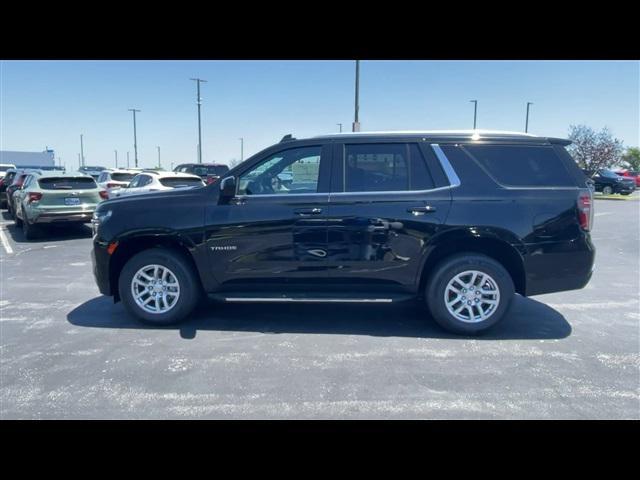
x=632, y=157
x=594, y=150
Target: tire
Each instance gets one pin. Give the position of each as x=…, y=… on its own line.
x=607, y=190
x=16, y=220
x=625, y=193
x=183, y=273
x=29, y=230
x=438, y=286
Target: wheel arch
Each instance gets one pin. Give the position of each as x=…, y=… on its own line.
x=131, y=245
x=487, y=242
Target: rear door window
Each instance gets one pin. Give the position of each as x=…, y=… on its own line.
x=122, y=177
x=522, y=165
x=385, y=167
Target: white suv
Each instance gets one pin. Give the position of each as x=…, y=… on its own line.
x=151, y=181
x=113, y=180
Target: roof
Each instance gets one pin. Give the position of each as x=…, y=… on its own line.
x=470, y=134
x=58, y=174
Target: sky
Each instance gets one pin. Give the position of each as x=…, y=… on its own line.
x=50, y=103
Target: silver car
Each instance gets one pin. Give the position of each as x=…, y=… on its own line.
x=152, y=181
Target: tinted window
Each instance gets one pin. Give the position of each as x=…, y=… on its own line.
x=122, y=177
x=67, y=183
x=288, y=172
x=181, y=182
x=522, y=165
x=144, y=180
x=204, y=170
x=385, y=167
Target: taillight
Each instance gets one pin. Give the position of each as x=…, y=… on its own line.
x=211, y=180
x=104, y=195
x=585, y=210
x=34, y=197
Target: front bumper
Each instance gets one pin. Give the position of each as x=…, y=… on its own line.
x=100, y=265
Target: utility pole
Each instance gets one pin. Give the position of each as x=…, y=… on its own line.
x=116, y=151
x=81, y=151
x=526, y=124
x=79, y=161
x=127, y=159
x=340, y=125
x=475, y=112
x=199, y=102
x=159, y=164
x=356, y=122
x=241, y=149
x=135, y=138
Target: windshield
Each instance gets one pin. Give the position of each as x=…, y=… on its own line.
x=607, y=173
x=66, y=183
x=181, y=182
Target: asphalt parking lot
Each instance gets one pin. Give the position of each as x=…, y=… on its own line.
x=67, y=352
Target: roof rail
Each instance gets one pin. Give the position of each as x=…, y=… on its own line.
x=287, y=138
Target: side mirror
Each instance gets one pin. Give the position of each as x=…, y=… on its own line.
x=228, y=188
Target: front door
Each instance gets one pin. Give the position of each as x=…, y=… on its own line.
x=272, y=234
x=382, y=215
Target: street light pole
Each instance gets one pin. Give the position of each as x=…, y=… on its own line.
x=79, y=161
x=135, y=138
x=159, y=164
x=116, y=152
x=127, y=159
x=526, y=124
x=475, y=112
x=356, y=122
x=81, y=151
x=340, y=125
x=241, y=149
x=199, y=102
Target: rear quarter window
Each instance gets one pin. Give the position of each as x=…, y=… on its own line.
x=67, y=183
x=522, y=166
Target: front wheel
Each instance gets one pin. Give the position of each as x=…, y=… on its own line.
x=159, y=286
x=607, y=190
x=469, y=293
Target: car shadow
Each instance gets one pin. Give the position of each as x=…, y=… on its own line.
x=526, y=319
x=48, y=233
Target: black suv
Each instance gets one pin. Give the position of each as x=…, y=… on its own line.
x=608, y=182
x=461, y=220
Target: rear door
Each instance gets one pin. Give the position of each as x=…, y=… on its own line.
x=387, y=202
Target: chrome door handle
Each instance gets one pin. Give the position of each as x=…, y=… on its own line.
x=421, y=210
x=308, y=211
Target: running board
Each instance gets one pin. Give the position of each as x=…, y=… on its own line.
x=239, y=298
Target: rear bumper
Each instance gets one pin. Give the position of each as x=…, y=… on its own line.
x=50, y=217
x=559, y=266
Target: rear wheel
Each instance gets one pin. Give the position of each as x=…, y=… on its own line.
x=29, y=230
x=159, y=286
x=607, y=190
x=469, y=293
x=17, y=220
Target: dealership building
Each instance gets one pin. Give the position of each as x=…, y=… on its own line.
x=28, y=159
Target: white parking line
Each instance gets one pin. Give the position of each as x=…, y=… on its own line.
x=5, y=240
x=603, y=213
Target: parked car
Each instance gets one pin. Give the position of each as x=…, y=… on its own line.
x=149, y=181
x=111, y=180
x=54, y=197
x=631, y=174
x=5, y=181
x=209, y=172
x=607, y=182
x=18, y=180
x=6, y=166
x=460, y=220
x=93, y=171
